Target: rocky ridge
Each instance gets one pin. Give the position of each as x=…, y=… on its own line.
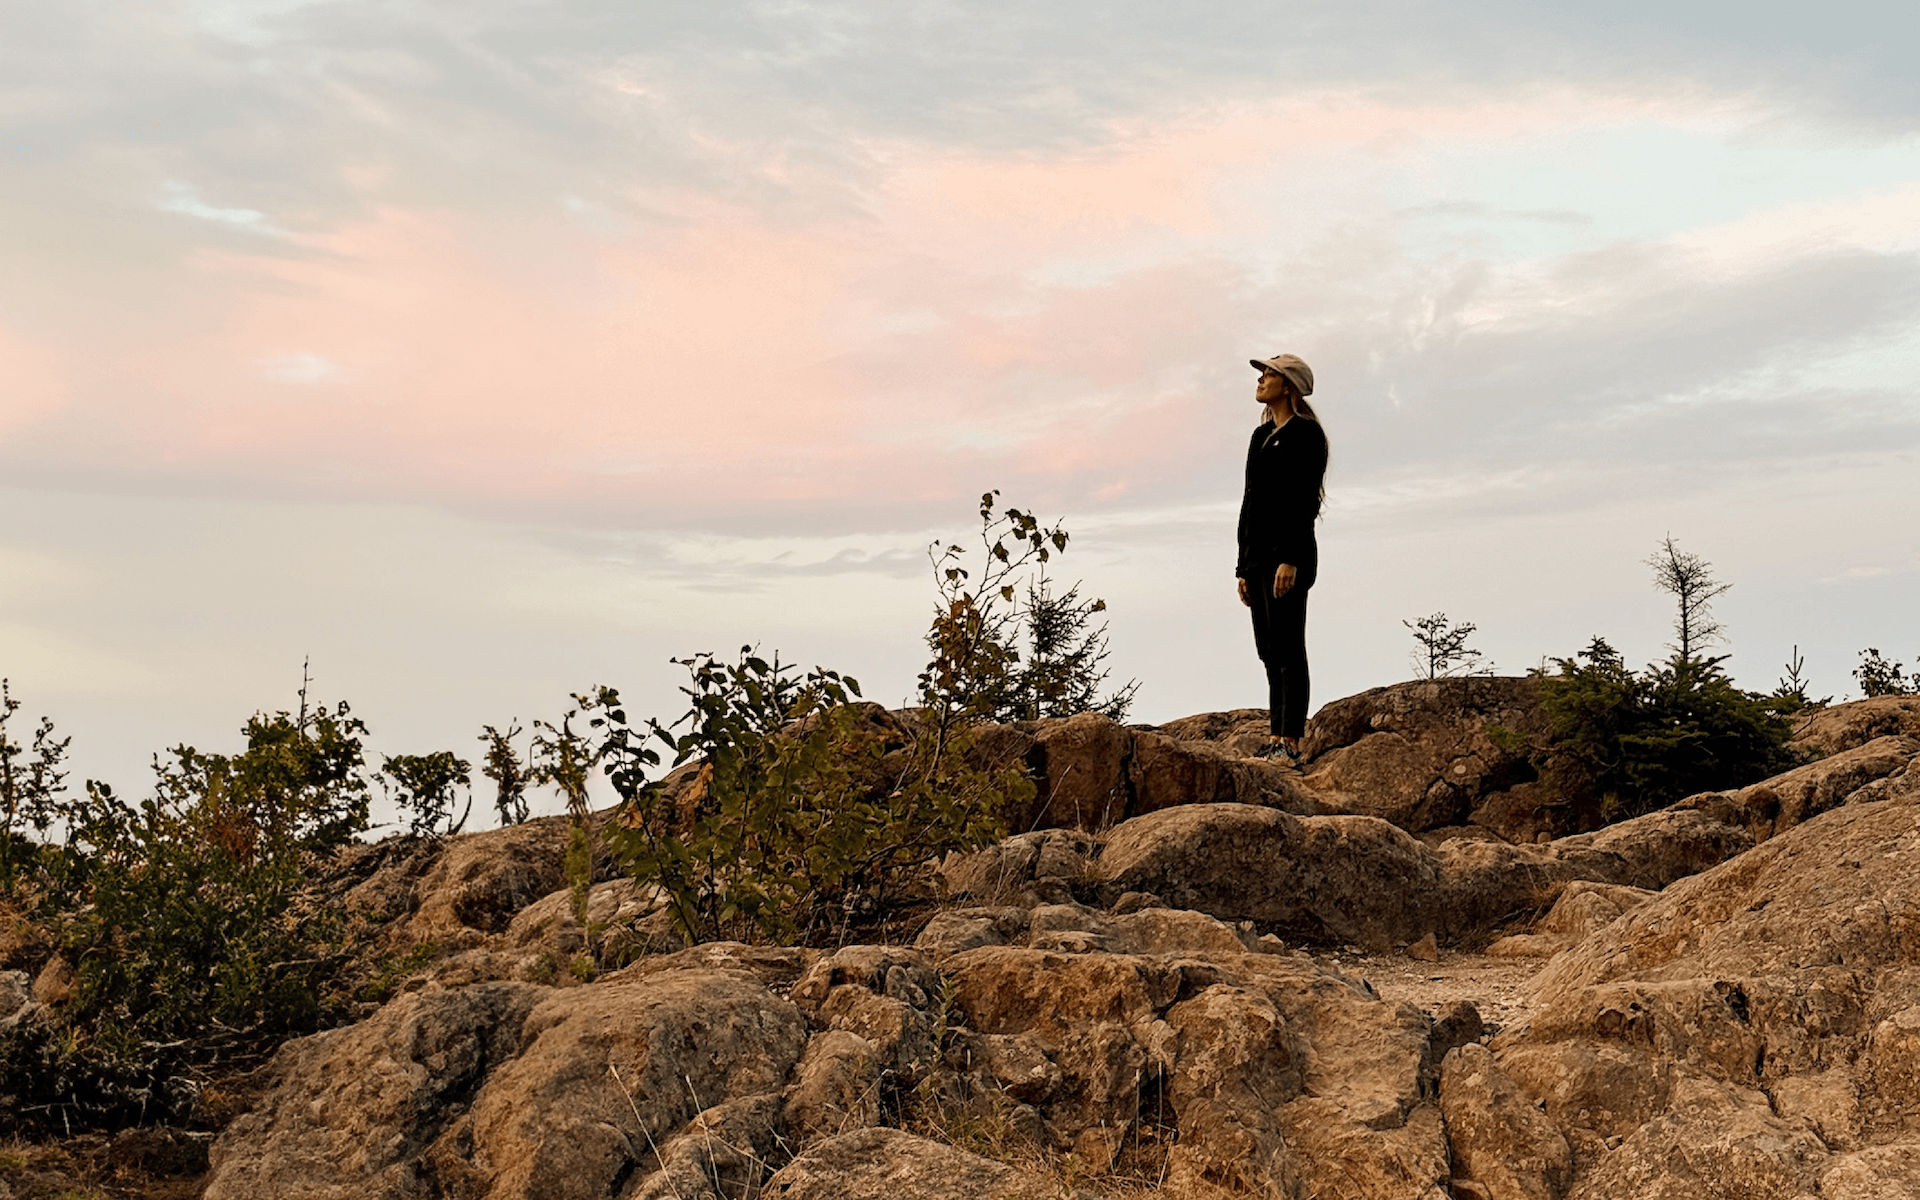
x=1139, y=986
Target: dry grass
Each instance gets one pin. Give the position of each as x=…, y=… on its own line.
x=135, y=1164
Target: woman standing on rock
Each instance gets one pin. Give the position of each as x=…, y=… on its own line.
x=1279, y=559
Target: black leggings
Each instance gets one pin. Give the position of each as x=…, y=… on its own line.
x=1280, y=635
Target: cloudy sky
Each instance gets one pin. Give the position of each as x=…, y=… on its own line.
x=485, y=351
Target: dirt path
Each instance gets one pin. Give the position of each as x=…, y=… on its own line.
x=1496, y=986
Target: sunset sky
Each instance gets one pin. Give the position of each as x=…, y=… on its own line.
x=486, y=351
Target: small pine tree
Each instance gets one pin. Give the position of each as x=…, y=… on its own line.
x=1790, y=694
x=1443, y=651
x=1065, y=653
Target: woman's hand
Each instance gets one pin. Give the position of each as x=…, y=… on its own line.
x=1283, y=577
x=1244, y=598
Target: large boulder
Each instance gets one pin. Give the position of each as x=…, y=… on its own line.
x=1753, y=1031
x=1283, y=1078
x=515, y=1091
x=1313, y=879
x=1079, y=768
x=1422, y=755
x=475, y=883
x=1364, y=881
x=1027, y=868
x=1090, y=773
x=1650, y=851
x=1581, y=909
x=1499, y=1137
x=352, y=1112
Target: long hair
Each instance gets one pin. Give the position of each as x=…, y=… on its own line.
x=1302, y=409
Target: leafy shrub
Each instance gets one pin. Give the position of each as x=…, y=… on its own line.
x=30, y=787
x=424, y=787
x=982, y=629
x=1630, y=742
x=803, y=811
x=1879, y=677
x=510, y=778
x=184, y=915
x=183, y=907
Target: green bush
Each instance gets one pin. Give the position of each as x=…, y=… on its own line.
x=181, y=912
x=1002, y=656
x=1630, y=742
x=185, y=915
x=804, y=812
x=424, y=786
x=32, y=780
x=1880, y=676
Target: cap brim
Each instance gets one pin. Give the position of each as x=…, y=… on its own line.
x=1257, y=365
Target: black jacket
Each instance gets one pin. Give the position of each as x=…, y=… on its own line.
x=1285, y=467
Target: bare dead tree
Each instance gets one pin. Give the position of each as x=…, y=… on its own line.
x=1688, y=578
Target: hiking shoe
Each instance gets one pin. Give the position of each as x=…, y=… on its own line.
x=1281, y=752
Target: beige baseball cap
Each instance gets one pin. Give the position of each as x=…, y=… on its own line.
x=1292, y=366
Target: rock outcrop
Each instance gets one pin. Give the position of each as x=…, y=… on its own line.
x=1421, y=755
x=689, y=1076
x=1877, y=769
x=1334, y=880
x=1841, y=727
x=1730, y=1005
x=1753, y=1031
x=1090, y=773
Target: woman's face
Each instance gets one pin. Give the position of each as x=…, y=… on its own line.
x=1272, y=388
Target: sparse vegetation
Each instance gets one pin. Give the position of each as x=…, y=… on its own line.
x=1688, y=578
x=1879, y=676
x=510, y=777
x=423, y=788
x=191, y=926
x=803, y=811
x=999, y=657
x=1442, y=651
x=395, y=970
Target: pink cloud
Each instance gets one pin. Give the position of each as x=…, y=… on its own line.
x=1062, y=317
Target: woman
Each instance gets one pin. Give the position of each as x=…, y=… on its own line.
x=1286, y=464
